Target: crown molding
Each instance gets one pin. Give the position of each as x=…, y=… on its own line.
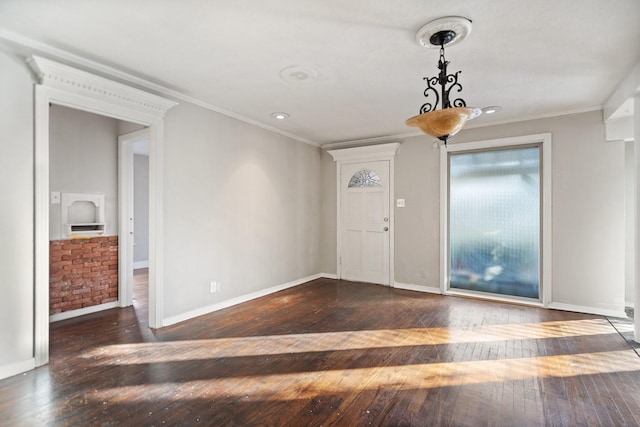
x=367, y=141
x=105, y=70
x=369, y=152
x=56, y=75
x=531, y=117
x=470, y=125
x=66, y=56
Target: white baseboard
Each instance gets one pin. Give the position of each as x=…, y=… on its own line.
x=587, y=310
x=329, y=276
x=82, y=311
x=235, y=301
x=141, y=264
x=411, y=287
x=12, y=369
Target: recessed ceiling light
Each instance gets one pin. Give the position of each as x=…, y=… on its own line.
x=280, y=116
x=298, y=74
x=492, y=109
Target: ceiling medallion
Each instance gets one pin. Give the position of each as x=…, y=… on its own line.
x=461, y=27
x=453, y=115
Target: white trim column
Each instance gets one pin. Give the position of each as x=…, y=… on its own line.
x=636, y=193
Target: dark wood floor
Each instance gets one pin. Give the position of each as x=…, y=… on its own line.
x=333, y=353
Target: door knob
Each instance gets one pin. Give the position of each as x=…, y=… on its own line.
x=386, y=229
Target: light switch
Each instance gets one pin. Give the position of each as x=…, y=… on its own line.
x=55, y=197
x=400, y=203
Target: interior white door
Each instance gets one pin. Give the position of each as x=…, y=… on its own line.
x=365, y=224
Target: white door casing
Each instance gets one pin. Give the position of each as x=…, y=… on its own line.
x=364, y=193
x=126, y=214
x=364, y=248
x=63, y=85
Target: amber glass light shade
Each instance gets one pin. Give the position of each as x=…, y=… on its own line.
x=444, y=123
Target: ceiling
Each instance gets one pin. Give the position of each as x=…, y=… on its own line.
x=533, y=58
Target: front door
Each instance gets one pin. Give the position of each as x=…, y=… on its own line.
x=365, y=224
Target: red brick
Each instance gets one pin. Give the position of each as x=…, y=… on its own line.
x=59, y=252
x=93, y=264
x=60, y=263
x=82, y=272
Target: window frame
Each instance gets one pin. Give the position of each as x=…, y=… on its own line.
x=544, y=142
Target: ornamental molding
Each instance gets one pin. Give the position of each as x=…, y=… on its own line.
x=368, y=152
x=60, y=76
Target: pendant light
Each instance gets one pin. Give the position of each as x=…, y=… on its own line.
x=453, y=114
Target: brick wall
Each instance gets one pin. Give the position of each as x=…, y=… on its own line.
x=82, y=273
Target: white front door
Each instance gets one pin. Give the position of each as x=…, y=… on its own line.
x=365, y=222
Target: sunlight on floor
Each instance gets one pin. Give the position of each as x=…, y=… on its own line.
x=407, y=377
x=159, y=352
x=410, y=374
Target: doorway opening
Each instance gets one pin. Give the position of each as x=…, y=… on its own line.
x=85, y=222
x=69, y=87
x=140, y=224
x=134, y=214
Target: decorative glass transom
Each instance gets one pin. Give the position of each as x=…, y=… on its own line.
x=365, y=178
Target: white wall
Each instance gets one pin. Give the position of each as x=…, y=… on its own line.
x=247, y=208
x=630, y=255
x=83, y=158
x=241, y=207
x=418, y=223
x=328, y=237
x=588, y=210
x=141, y=208
x=16, y=215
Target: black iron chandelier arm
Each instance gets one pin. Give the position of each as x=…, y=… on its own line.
x=452, y=79
x=430, y=91
x=446, y=83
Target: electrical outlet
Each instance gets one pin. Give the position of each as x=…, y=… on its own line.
x=213, y=287
x=55, y=197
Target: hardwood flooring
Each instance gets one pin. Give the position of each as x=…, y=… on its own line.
x=338, y=353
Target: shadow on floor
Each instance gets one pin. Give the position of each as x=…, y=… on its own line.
x=625, y=328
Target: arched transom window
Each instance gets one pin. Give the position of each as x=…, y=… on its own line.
x=365, y=178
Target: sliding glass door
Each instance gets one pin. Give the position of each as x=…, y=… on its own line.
x=495, y=220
